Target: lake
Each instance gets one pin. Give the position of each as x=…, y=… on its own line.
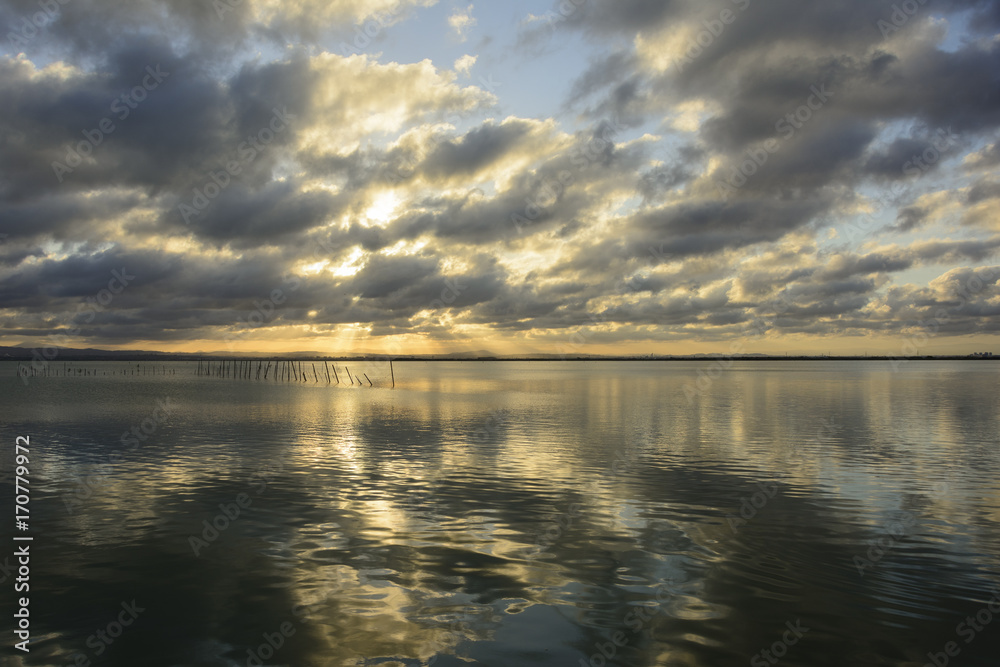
x=511, y=513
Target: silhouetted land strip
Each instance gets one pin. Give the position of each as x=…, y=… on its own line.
x=25, y=355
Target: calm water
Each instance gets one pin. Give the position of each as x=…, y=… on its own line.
x=513, y=514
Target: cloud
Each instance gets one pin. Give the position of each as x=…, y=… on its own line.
x=464, y=64
x=673, y=180
x=461, y=21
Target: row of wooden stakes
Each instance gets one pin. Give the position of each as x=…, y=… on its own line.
x=284, y=371
x=51, y=370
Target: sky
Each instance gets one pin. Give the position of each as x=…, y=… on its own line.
x=425, y=176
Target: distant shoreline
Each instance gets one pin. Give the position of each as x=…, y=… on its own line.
x=165, y=358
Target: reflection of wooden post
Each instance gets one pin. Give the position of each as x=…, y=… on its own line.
x=392, y=374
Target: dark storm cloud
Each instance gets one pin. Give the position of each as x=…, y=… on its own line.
x=910, y=218
x=710, y=226
x=122, y=120
x=823, y=156
x=476, y=149
x=956, y=90
x=50, y=282
x=211, y=29
x=254, y=216
x=550, y=196
x=891, y=162
x=983, y=190
x=64, y=215
x=624, y=16
x=391, y=289
x=956, y=252
x=680, y=169
x=601, y=74
x=845, y=267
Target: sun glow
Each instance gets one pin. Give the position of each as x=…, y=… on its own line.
x=383, y=208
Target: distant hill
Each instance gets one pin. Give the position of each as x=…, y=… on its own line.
x=21, y=353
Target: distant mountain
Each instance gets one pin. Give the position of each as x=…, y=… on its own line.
x=20, y=353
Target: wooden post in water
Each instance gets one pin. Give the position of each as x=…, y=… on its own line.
x=349, y=375
x=314, y=373
x=393, y=375
x=337, y=377
x=327, y=367
x=369, y=381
